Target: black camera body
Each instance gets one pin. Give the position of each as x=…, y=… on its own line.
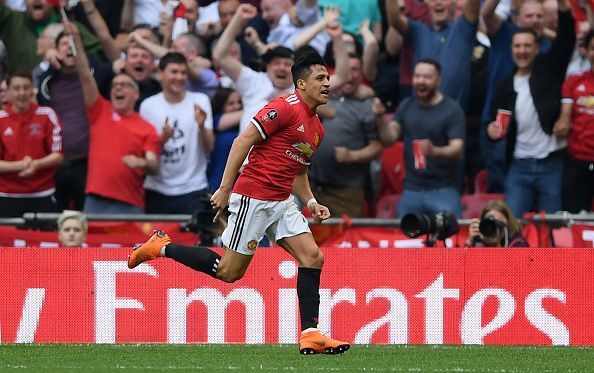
x=201, y=221
x=490, y=227
x=440, y=226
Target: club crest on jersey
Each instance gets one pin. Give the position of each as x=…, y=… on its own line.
x=252, y=245
x=316, y=138
x=270, y=116
x=304, y=148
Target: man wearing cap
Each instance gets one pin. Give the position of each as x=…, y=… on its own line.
x=255, y=88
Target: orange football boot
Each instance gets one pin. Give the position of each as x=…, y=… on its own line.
x=315, y=342
x=149, y=250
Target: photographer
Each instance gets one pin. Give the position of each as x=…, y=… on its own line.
x=497, y=227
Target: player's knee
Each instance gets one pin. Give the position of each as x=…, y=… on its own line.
x=229, y=276
x=314, y=260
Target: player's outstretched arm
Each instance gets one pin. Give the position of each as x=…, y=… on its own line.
x=303, y=191
x=239, y=151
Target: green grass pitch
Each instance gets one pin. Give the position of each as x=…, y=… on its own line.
x=285, y=358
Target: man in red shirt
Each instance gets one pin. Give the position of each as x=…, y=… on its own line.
x=577, y=122
x=123, y=147
x=282, y=137
x=30, y=151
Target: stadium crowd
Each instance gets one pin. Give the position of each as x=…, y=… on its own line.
x=132, y=106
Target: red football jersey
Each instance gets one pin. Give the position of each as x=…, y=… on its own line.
x=112, y=137
x=36, y=133
x=291, y=133
x=580, y=90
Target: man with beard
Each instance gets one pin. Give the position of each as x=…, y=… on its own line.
x=338, y=173
x=432, y=126
x=19, y=32
x=61, y=90
x=123, y=147
x=283, y=137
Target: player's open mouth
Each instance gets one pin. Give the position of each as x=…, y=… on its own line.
x=325, y=92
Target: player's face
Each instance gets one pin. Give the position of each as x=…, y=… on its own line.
x=20, y=93
x=140, y=64
x=124, y=94
x=317, y=85
x=425, y=81
x=279, y=72
x=174, y=78
x=72, y=233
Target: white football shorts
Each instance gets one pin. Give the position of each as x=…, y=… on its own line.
x=251, y=218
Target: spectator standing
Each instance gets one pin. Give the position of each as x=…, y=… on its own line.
x=533, y=96
x=500, y=65
x=60, y=89
x=19, y=32
x=184, y=120
x=72, y=228
x=577, y=119
x=227, y=109
x=447, y=40
x=341, y=164
x=30, y=151
x=140, y=65
x=3, y=93
x=432, y=127
x=123, y=147
x=255, y=88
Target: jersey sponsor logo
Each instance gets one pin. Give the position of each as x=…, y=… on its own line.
x=587, y=101
x=297, y=157
x=252, y=245
x=35, y=129
x=304, y=148
x=270, y=116
x=8, y=132
x=301, y=128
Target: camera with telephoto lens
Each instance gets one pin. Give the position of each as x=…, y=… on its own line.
x=490, y=227
x=440, y=226
x=201, y=221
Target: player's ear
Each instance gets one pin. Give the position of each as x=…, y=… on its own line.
x=300, y=84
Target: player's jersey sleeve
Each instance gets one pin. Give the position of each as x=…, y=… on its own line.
x=272, y=117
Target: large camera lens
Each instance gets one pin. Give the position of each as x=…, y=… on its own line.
x=489, y=226
x=414, y=225
x=443, y=225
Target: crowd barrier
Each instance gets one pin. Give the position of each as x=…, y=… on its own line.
x=533, y=296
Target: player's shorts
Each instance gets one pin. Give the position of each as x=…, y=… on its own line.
x=251, y=218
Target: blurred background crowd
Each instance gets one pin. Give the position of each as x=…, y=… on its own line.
x=131, y=106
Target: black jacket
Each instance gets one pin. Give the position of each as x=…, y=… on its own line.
x=545, y=83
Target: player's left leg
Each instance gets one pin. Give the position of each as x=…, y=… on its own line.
x=307, y=253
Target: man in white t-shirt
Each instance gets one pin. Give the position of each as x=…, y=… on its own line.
x=531, y=98
x=184, y=120
x=255, y=88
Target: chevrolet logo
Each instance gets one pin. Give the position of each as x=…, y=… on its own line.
x=304, y=148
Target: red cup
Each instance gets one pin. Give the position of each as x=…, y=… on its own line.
x=420, y=158
x=502, y=121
